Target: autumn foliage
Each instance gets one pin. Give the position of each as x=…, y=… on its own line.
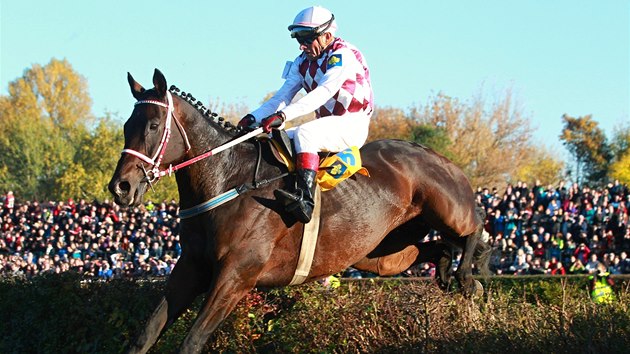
x=51, y=147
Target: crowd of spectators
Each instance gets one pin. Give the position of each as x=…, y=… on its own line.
x=97, y=239
x=564, y=229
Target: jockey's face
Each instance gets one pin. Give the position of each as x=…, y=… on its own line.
x=314, y=49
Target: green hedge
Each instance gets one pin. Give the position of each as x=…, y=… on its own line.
x=63, y=314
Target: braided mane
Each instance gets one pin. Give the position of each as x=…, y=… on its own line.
x=206, y=112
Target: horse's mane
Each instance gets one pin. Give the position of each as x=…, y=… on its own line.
x=211, y=117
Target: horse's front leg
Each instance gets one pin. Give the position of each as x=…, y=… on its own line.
x=226, y=291
x=185, y=283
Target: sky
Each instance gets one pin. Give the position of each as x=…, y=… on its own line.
x=556, y=57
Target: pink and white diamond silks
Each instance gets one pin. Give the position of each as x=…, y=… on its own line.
x=355, y=94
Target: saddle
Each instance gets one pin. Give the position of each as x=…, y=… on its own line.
x=334, y=167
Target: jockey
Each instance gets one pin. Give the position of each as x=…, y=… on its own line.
x=336, y=79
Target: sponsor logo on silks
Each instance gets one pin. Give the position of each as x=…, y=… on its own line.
x=337, y=169
x=334, y=60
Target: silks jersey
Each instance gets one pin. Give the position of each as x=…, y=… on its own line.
x=338, y=82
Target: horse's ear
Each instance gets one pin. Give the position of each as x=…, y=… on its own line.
x=136, y=88
x=159, y=82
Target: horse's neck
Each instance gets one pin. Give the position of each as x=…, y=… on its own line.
x=215, y=174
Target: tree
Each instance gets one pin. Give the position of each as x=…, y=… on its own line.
x=540, y=165
x=621, y=169
x=44, y=117
x=389, y=123
x=62, y=95
x=488, y=141
x=620, y=149
x=620, y=142
x=434, y=137
x=231, y=112
x=94, y=161
x=587, y=143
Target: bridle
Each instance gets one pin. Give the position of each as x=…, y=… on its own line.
x=155, y=173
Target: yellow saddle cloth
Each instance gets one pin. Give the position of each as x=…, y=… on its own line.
x=332, y=169
x=336, y=168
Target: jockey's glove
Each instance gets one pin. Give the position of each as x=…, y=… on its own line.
x=273, y=121
x=248, y=123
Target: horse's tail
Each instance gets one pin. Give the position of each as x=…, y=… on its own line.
x=483, y=251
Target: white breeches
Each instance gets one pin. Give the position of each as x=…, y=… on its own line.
x=332, y=133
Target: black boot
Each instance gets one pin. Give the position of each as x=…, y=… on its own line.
x=300, y=203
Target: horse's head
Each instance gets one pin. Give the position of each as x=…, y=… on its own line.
x=149, y=143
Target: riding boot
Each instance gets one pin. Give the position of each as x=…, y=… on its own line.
x=300, y=202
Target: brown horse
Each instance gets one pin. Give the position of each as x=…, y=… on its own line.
x=372, y=223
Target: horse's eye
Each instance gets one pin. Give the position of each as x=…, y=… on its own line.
x=154, y=126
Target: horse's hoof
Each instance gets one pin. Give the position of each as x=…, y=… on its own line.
x=443, y=285
x=474, y=290
x=478, y=290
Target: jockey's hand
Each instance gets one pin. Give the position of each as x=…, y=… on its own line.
x=248, y=123
x=273, y=121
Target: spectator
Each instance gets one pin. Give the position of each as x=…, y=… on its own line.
x=520, y=265
x=600, y=286
x=580, y=227
x=540, y=251
x=558, y=269
x=527, y=248
x=576, y=267
x=624, y=263
x=615, y=266
x=582, y=253
x=593, y=264
x=104, y=271
x=497, y=223
x=536, y=267
x=555, y=251
x=427, y=269
x=9, y=200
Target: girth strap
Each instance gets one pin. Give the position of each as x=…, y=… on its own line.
x=309, y=242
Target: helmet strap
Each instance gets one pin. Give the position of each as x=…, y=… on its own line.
x=325, y=26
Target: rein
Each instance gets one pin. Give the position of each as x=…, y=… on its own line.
x=231, y=194
x=155, y=173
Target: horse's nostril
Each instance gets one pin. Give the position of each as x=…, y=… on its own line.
x=124, y=187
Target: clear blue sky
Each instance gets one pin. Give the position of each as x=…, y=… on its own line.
x=559, y=56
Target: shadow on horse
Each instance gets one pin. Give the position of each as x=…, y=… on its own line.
x=371, y=223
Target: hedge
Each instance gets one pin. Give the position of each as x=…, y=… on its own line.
x=67, y=314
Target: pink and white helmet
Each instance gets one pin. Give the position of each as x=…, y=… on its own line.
x=314, y=19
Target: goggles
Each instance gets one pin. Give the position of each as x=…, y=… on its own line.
x=307, y=35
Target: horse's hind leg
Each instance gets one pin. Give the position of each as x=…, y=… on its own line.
x=399, y=250
x=474, y=250
x=184, y=284
x=441, y=255
x=463, y=274
x=482, y=257
x=483, y=251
